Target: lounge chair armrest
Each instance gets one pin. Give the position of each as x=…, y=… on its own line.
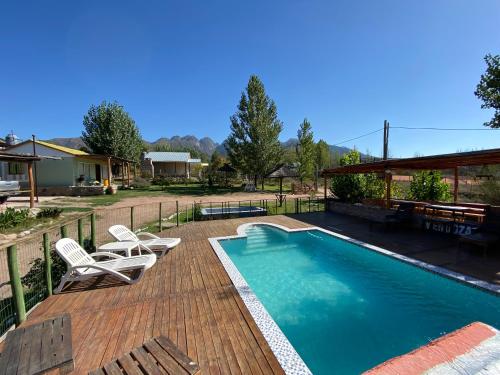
x=147, y=235
x=100, y=268
x=106, y=254
x=147, y=249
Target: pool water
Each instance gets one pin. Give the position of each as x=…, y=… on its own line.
x=345, y=308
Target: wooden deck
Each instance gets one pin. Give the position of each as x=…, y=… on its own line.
x=187, y=296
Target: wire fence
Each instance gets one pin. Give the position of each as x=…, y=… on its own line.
x=30, y=267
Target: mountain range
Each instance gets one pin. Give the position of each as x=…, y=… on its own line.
x=205, y=146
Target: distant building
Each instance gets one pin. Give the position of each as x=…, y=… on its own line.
x=169, y=164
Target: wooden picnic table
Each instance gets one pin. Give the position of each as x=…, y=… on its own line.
x=457, y=212
x=156, y=356
x=38, y=348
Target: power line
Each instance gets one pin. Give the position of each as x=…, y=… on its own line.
x=361, y=136
x=442, y=129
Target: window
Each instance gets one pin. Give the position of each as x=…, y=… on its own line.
x=16, y=168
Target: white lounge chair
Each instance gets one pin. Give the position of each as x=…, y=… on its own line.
x=82, y=265
x=148, y=240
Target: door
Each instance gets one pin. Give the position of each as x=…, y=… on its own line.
x=98, y=172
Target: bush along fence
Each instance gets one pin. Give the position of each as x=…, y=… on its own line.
x=30, y=268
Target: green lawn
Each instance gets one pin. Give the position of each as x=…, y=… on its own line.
x=273, y=207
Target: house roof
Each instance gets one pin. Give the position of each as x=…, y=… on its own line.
x=284, y=171
x=168, y=156
x=445, y=161
x=66, y=150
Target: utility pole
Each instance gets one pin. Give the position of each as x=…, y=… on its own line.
x=388, y=174
x=386, y=140
x=36, y=174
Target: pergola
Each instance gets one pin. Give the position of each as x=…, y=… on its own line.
x=434, y=162
x=125, y=164
x=283, y=172
x=26, y=159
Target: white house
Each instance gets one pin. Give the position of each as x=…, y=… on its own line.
x=61, y=170
x=169, y=164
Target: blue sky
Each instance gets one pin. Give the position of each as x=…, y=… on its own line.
x=179, y=67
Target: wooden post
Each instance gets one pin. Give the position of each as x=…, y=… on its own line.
x=80, y=231
x=123, y=174
x=32, y=184
x=177, y=211
x=93, y=231
x=128, y=174
x=388, y=179
x=64, y=231
x=48, y=263
x=15, y=284
x=455, y=186
x=132, y=218
x=325, y=192
x=110, y=173
x=160, y=223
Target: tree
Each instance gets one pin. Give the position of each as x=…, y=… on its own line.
x=305, y=151
x=322, y=155
x=321, y=159
x=349, y=187
x=355, y=187
x=253, y=146
x=109, y=130
x=428, y=186
x=488, y=89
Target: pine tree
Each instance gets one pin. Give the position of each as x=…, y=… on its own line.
x=305, y=151
x=253, y=146
x=109, y=130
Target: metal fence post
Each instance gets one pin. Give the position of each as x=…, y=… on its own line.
x=192, y=211
x=309, y=203
x=93, y=230
x=132, y=218
x=160, y=224
x=80, y=231
x=296, y=205
x=177, y=211
x=15, y=284
x=48, y=262
x=64, y=231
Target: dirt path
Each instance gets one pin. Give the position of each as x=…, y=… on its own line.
x=183, y=199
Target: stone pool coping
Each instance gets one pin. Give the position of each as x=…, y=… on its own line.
x=287, y=356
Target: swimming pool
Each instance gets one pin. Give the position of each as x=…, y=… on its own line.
x=243, y=211
x=343, y=307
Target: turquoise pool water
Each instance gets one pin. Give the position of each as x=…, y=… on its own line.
x=346, y=309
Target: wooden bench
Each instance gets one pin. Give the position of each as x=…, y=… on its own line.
x=39, y=348
x=156, y=356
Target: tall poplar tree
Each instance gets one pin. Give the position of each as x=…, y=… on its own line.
x=305, y=151
x=253, y=145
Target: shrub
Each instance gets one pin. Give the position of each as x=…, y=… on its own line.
x=12, y=217
x=428, y=186
x=36, y=274
x=49, y=212
x=140, y=183
x=354, y=188
x=491, y=191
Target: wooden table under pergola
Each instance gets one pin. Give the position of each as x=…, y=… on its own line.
x=435, y=162
x=25, y=159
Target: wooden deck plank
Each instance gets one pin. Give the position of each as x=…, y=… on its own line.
x=187, y=296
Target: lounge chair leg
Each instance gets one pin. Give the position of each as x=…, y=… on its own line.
x=64, y=279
